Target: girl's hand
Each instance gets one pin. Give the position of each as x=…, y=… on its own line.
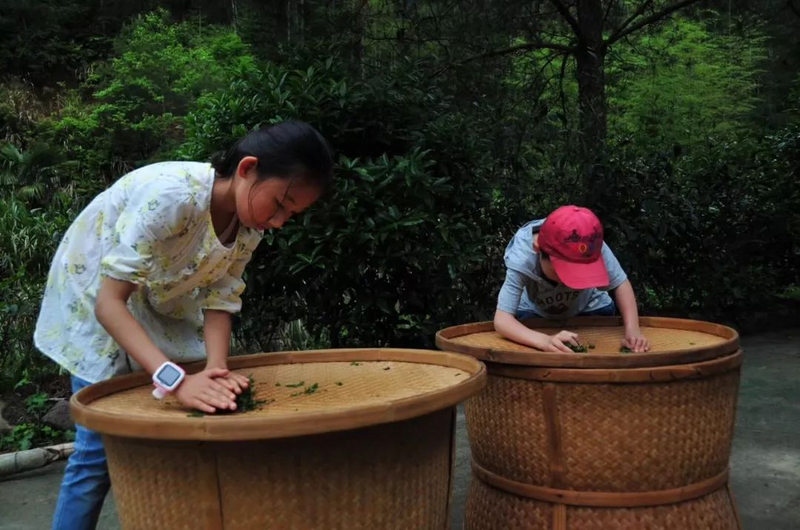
x=635, y=341
x=234, y=382
x=557, y=342
x=203, y=391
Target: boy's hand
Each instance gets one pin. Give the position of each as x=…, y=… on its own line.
x=635, y=341
x=203, y=391
x=557, y=342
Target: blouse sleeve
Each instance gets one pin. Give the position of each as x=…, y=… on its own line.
x=154, y=211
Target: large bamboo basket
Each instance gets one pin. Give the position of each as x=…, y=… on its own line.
x=603, y=440
x=371, y=448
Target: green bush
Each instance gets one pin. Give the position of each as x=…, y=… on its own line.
x=29, y=239
x=715, y=235
x=411, y=238
x=139, y=97
x=29, y=435
x=683, y=84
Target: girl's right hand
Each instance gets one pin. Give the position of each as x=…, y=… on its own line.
x=200, y=391
x=557, y=342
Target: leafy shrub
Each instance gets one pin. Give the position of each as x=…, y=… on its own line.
x=715, y=235
x=140, y=96
x=411, y=237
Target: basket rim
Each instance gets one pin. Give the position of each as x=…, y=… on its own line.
x=240, y=428
x=444, y=340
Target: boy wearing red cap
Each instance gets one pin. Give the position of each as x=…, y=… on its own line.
x=559, y=267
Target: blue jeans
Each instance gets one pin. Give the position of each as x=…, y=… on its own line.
x=609, y=310
x=86, y=481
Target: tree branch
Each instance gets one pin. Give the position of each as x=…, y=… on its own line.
x=608, y=10
x=563, y=98
x=793, y=7
x=566, y=15
x=649, y=20
x=642, y=8
x=528, y=46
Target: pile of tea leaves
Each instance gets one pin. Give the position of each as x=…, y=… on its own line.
x=245, y=402
x=580, y=348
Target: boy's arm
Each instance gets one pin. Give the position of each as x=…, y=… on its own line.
x=508, y=326
x=626, y=302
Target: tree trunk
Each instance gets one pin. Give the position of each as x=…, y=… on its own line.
x=590, y=59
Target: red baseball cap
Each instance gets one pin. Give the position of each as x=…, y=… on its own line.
x=573, y=239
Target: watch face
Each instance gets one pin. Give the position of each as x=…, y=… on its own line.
x=168, y=376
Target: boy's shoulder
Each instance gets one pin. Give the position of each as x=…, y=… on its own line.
x=531, y=227
x=519, y=254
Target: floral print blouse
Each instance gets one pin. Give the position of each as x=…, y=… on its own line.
x=152, y=228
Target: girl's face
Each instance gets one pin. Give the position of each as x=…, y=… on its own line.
x=267, y=204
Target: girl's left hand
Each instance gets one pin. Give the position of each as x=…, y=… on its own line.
x=234, y=382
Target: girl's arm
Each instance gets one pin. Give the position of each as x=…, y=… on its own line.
x=199, y=391
x=218, y=301
x=626, y=302
x=217, y=335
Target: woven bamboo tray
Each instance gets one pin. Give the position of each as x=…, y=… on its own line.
x=372, y=446
x=603, y=440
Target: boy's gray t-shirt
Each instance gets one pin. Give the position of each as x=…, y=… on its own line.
x=527, y=290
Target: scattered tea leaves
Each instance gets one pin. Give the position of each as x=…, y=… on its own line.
x=296, y=385
x=580, y=348
x=354, y=363
x=592, y=346
x=277, y=384
x=625, y=349
x=196, y=414
x=339, y=383
x=387, y=368
x=308, y=390
x=691, y=344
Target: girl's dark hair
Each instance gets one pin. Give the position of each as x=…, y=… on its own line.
x=283, y=150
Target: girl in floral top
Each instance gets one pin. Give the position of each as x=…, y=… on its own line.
x=151, y=271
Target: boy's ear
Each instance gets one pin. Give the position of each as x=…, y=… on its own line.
x=536, y=243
